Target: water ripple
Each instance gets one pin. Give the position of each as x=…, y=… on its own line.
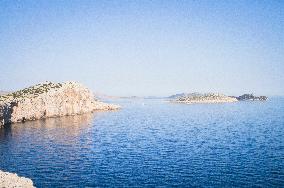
x=155, y=144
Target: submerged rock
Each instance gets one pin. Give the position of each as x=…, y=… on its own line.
x=192, y=98
x=10, y=180
x=49, y=100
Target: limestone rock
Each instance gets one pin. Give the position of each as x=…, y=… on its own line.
x=10, y=180
x=49, y=100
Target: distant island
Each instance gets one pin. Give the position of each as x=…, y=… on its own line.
x=4, y=92
x=245, y=97
x=193, y=98
x=48, y=100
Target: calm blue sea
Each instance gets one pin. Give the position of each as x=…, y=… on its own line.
x=151, y=143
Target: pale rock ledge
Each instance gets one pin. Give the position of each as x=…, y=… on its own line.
x=49, y=100
x=10, y=180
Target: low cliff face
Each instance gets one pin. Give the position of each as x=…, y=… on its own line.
x=49, y=100
x=204, y=98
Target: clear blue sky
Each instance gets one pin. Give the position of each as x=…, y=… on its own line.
x=145, y=47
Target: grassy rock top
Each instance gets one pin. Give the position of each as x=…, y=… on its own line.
x=35, y=91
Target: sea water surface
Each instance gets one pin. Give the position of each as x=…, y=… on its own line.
x=152, y=143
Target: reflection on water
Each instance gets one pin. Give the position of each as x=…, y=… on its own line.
x=152, y=143
x=59, y=129
x=37, y=149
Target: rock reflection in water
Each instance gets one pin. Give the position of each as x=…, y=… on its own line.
x=62, y=129
x=40, y=147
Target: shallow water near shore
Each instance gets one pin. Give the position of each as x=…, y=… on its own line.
x=152, y=143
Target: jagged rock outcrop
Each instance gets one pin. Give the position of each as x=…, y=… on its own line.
x=10, y=180
x=245, y=97
x=193, y=98
x=49, y=100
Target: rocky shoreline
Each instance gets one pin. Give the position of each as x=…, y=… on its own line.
x=49, y=100
x=11, y=180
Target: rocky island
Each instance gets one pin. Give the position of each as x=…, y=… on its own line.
x=49, y=100
x=193, y=98
x=251, y=97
